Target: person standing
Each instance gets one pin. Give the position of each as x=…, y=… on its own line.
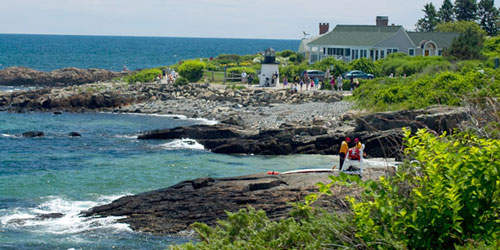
x=301, y=84
x=356, y=83
x=332, y=84
x=250, y=79
x=243, y=77
x=344, y=147
x=340, y=83
x=316, y=82
x=285, y=82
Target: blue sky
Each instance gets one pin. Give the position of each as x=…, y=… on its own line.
x=273, y=19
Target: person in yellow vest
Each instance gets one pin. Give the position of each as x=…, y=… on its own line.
x=359, y=146
x=344, y=147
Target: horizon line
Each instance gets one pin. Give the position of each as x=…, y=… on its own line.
x=147, y=36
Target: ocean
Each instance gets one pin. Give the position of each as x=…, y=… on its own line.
x=49, y=52
x=61, y=174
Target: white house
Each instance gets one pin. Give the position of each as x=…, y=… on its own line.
x=350, y=42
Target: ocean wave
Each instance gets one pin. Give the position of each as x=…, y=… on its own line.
x=182, y=144
x=62, y=216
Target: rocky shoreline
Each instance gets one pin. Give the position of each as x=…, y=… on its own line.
x=22, y=76
x=172, y=210
x=252, y=120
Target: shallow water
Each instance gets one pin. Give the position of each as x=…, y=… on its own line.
x=60, y=174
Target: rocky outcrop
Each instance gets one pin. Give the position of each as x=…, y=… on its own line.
x=113, y=95
x=76, y=98
x=173, y=209
x=31, y=134
x=380, y=132
x=15, y=76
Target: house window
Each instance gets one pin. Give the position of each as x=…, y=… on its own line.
x=330, y=51
x=440, y=52
x=389, y=51
x=371, y=54
x=411, y=52
x=347, y=52
x=382, y=54
x=365, y=53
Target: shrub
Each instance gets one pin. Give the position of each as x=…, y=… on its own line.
x=339, y=67
x=364, y=64
x=227, y=59
x=447, y=195
x=251, y=229
x=181, y=81
x=146, y=75
x=192, y=70
x=444, y=88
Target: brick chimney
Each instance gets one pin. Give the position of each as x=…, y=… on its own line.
x=323, y=28
x=382, y=21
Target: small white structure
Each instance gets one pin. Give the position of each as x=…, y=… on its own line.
x=269, y=73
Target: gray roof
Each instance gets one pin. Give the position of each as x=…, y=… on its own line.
x=442, y=39
x=356, y=35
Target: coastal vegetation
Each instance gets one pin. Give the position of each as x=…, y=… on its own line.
x=445, y=195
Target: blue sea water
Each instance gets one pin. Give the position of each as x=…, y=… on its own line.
x=60, y=174
x=49, y=52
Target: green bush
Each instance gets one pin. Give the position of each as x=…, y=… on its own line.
x=447, y=195
x=146, y=75
x=192, y=70
x=400, y=64
x=181, y=81
x=365, y=65
x=339, y=67
x=239, y=70
x=445, y=88
x=227, y=59
x=251, y=229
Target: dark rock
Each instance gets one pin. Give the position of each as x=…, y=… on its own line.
x=206, y=200
x=33, y=134
x=58, y=112
x=50, y=216
x=74, y=134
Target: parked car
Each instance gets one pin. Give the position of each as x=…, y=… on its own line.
x=357, y=74
x=314, y=73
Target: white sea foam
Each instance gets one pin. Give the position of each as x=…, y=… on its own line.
x=71, y=222
x=182, y=144
x=8, y=135
x=127, y=136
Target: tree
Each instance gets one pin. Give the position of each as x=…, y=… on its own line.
x=466, y=10
x=460, y=27
x=446, y=12
x=467, y=45
x=430, y=20
x=488, y=16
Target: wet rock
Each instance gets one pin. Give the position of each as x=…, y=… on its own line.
x=31, y=134
x=74, y=134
